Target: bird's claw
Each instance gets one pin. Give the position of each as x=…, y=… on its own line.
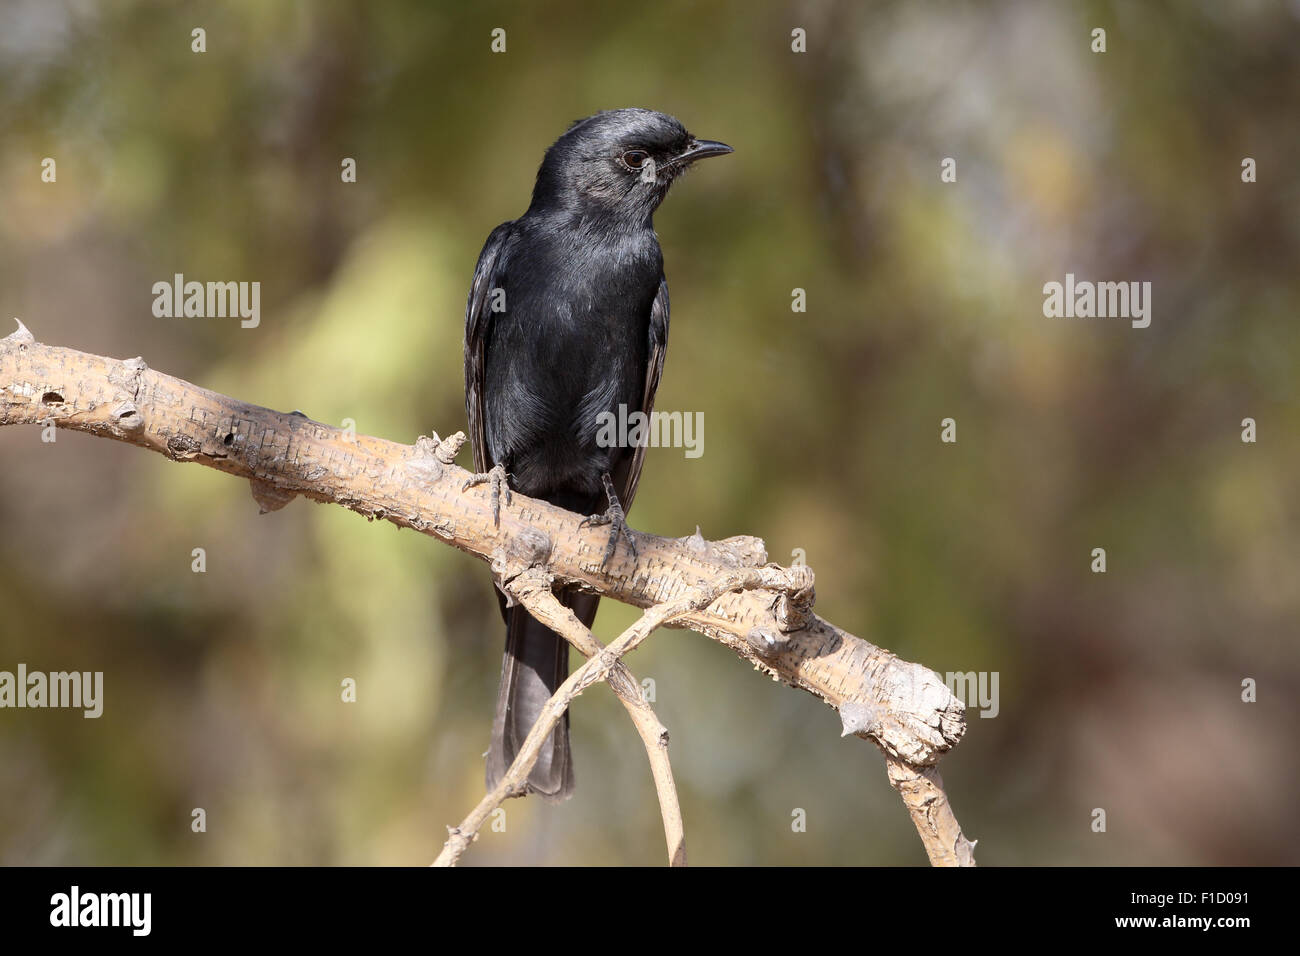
x=616, y=518
x=498, y=484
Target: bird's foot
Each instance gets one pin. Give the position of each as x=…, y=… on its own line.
x=617, y=521
x=499, y=486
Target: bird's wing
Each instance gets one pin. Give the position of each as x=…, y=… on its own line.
x=478, y=319
x=628, y=473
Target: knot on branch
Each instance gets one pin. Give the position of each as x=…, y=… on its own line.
x=432, y=453
x=526, y=582
x=127, y=417
x=269, y=497
x=740, y=551
x=128, y=374
x=183, y=448
x=444, y=450
x=793, y=607
x=519, y=566
x=529, y=547
x=859, y=717
x=19, y=336
x=767, y=642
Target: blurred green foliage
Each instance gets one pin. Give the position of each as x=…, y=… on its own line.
x=1119, y=691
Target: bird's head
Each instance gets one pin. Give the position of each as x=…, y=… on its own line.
x=618, y=163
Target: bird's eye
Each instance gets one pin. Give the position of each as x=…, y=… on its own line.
x=635, y=158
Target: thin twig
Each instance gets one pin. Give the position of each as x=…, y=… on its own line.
x=922, y=791
x=597, y=669
x=532, y=589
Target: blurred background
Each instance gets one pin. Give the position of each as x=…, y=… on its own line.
x=1119, y=691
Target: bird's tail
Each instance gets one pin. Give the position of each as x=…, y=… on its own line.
x=536, y=662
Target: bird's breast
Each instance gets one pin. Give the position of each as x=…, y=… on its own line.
x=571, y=347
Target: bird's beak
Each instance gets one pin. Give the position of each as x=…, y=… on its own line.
x=700, y=148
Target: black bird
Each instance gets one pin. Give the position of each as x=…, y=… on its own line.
x=568, y=319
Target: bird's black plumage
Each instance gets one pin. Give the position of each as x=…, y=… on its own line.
x=568, y=319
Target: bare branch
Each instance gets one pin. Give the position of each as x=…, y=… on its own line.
x=912, y=715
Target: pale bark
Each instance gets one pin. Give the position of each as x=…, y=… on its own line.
x=902, y=707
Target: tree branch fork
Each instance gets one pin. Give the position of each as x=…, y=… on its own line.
x=725, y=590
